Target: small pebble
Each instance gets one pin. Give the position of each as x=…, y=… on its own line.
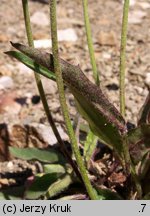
x=112, y=87
x=6, y=82
x=40, y=18
x=107, y=38
x=130, y=125
x=35, y=99
x=147, y=79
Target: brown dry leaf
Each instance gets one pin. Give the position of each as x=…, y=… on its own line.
x=98, y=168
x=117, y=178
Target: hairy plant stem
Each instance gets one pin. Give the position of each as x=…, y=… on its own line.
x=129, y=165
x=41, y=90
x=92, y=58
x=89, y=41
x=59, y=80
x=122, y=77
x=123, y=56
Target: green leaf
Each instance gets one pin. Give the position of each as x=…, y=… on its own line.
x=145, y=112
x=60, y=185
x=84, y=128
x=104, y=119
x=50, y=155
x=32, y=64
x=139, y=142
x=99, y=124
x=107, y=194
x=54, y=168
x=40, y=185
x=89, y=145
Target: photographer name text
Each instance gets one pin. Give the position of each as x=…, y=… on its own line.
x=42, y=209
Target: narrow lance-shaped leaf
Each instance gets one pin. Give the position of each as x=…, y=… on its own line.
x=89, y=146
x=50, y=156
x=60, y=185
x=104, y=119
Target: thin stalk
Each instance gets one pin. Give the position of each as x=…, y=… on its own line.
x=59, y=80
x=123, y=55
x=89, y=41
x=92, y=58
x=41, y=90
x=129, y=165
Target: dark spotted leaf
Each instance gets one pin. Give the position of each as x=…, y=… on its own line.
x=104, y=119
x=30, y=63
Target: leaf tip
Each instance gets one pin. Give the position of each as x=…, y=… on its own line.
x=15, y=45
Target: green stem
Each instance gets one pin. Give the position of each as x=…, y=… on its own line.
x=41, y=90
x=89, y=41
x=123, y=55
x=64, y=107
x=93, y=63
x=127, y=158
x=129, y=165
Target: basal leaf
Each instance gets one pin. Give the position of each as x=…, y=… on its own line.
x=53, y=168
x=59, y=186
x=104, y=119
x=40, y=185
x=99, y=124
x=89, y=145
x=139, y=142
x=50, y=155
